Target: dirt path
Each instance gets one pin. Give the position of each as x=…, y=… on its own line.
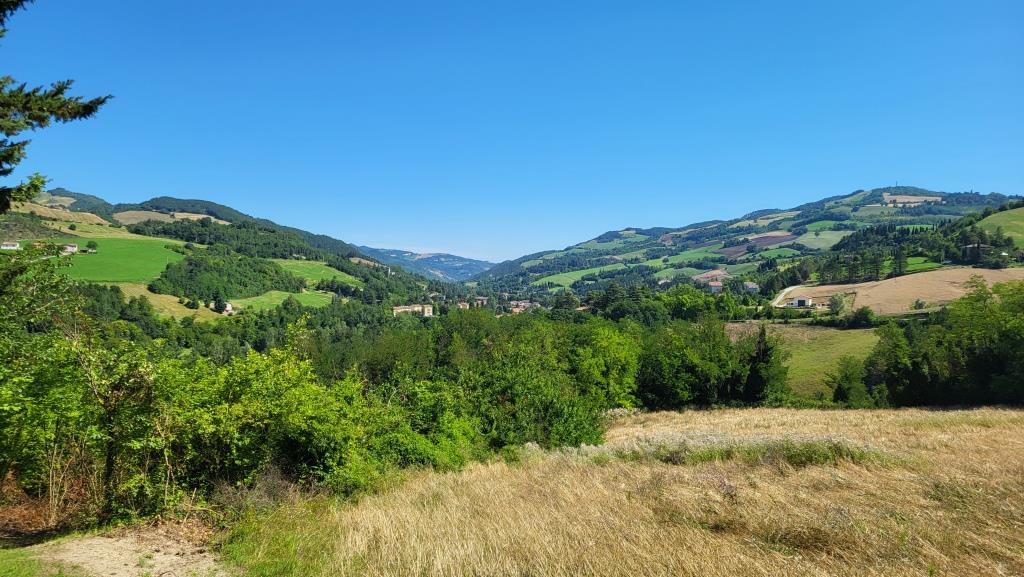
x=137, y=552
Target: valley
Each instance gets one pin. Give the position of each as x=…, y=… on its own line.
x=757, y=369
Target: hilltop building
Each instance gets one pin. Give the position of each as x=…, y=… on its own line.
x=10, y=246
x=715, y=287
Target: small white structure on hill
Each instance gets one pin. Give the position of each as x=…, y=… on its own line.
x=800, y=302
x=69, y=249
x=10, y=246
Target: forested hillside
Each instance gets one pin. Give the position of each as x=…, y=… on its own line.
x=735, y=248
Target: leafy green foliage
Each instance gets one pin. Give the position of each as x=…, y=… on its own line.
x=968, y=353
x=213, y=274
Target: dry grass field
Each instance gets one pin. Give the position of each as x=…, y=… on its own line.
x=908, y=200
x=56, y=213
x=137, y=216
x=716, y=493
x=897, y=295
x=167, y=305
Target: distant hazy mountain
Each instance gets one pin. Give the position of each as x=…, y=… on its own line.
x=447, y=267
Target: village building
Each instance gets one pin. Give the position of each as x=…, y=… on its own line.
x=800, y=302
x=715, y=287
x=425, y=310
x=463, y=306
x=480, y=301
x=751, y=287
x=10, y=246
x=516, y=307
x=69, y=249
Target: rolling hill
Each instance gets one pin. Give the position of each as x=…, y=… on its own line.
x=737, y=246
x=1011, y=222
x=67, y=204
x=166, y=233
x=440, y=266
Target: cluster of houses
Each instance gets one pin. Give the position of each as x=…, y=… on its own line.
x=713, y=282
x=516, y=307
x=427, y=310
x=64, y=249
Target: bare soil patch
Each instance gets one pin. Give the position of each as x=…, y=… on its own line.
x=148, y=551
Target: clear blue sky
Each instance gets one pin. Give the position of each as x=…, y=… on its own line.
x=495, y=129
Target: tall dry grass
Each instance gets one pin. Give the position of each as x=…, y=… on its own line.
x=730, y=493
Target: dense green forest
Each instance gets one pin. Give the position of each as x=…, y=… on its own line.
x=216, y=274
x=247, y=237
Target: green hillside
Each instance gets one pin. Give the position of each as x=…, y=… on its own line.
x=740, y=245
x=314, y=271
x=130, y=260
x=1010, y=221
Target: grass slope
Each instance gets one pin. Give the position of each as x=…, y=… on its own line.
x=269, y=300
x=167, y=305
x=130, y=260
x=314, y=271
x=1011, y=221
x=814, y=351
x=822, y=239
x=737, y=492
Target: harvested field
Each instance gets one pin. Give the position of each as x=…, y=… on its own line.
x=766, y=219
x=762, y=240
x=167, y=305
x=717, y=274
x=908, y=200
x=56, y=213
x=748, y=492
x=137, y=216
x=897, y=295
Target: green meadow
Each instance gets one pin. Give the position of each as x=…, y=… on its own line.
x=131, y=260
x=269, y=300
x=1011, y=221
x=314, y=271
